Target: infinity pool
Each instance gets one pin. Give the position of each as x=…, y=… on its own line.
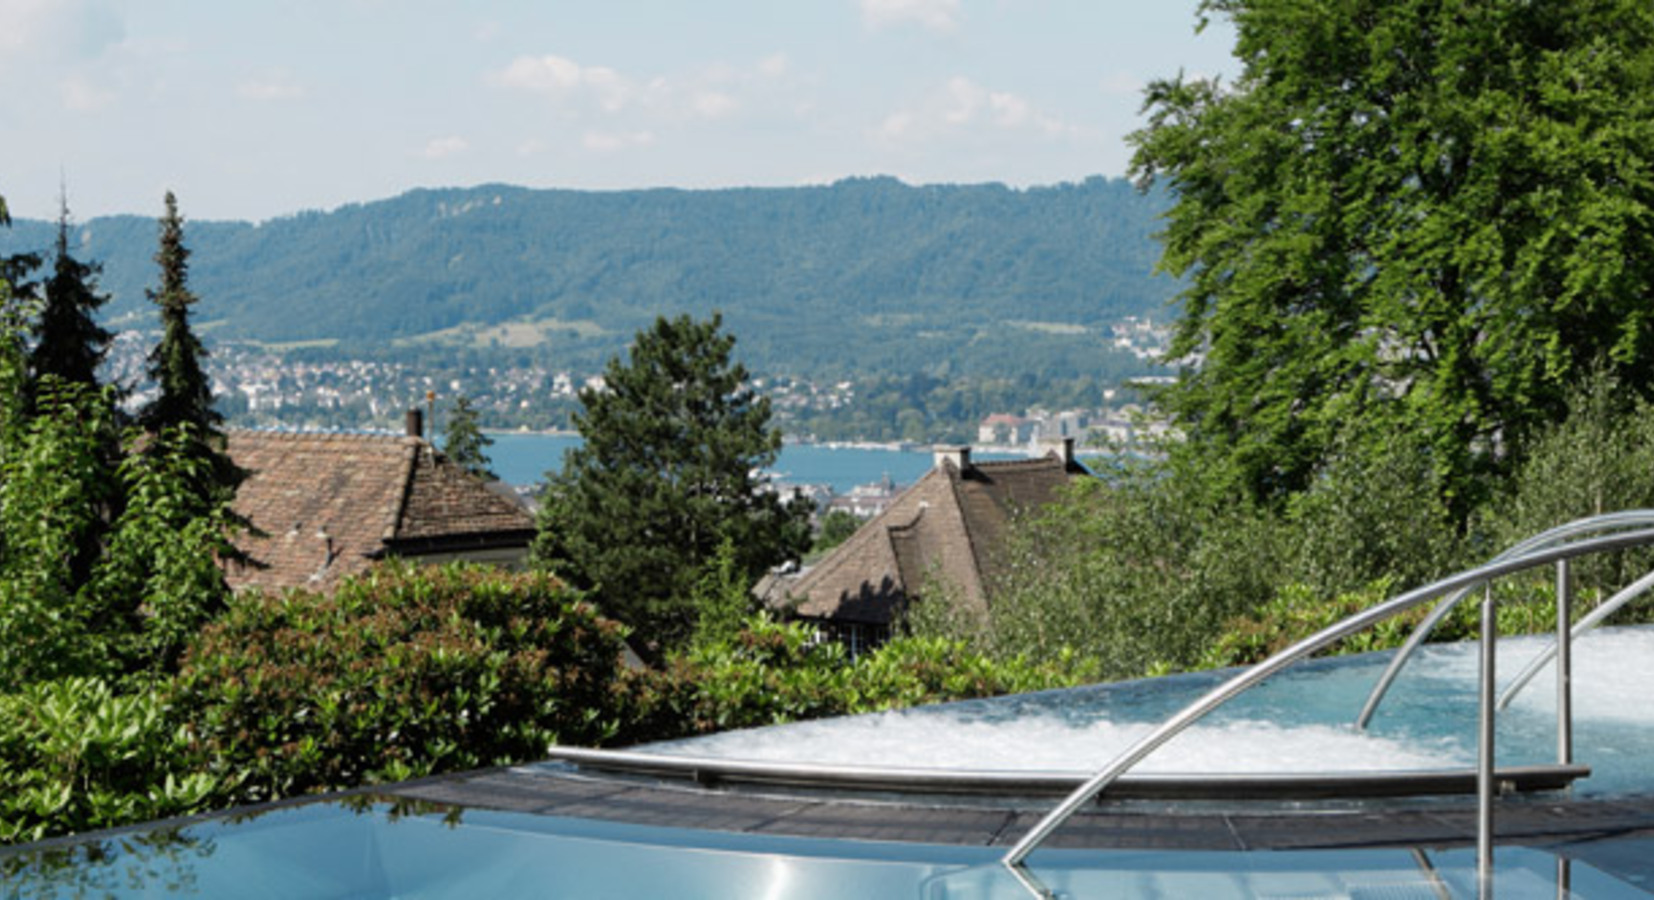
x=1299, y=721
x=376, y=851
x=570, y=830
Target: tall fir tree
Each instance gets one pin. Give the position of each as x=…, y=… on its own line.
x=184, y=399
x=69, y=343
x=465, y=444
x=668, y=473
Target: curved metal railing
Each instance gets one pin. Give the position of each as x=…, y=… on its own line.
x=1604, y=522
x=1596, y=617
x=1547, y=549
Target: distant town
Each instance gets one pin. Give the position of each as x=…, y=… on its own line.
x=259, y=387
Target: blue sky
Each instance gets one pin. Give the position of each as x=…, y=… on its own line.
x=251, y=109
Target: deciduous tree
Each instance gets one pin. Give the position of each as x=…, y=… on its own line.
x=670, y=470
x=1426, y=218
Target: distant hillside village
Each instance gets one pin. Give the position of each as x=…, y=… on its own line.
x=263, y=387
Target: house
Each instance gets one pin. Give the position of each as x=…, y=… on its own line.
x=948, y=526
x=327, y=505
x=1005, y=429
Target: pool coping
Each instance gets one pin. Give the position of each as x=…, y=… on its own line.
x=553, y=789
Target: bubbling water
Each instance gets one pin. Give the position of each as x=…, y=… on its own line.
x=1299, y=721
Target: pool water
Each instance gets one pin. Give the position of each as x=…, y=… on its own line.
x=374, y=851
x=1299, y=721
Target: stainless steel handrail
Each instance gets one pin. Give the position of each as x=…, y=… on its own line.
x=1621, y=519
x=1603, y=610
x=1303, y=648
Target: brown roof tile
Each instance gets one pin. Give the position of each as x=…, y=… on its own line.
x=948, y=525
x=327, y=505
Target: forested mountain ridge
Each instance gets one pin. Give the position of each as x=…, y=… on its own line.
x=862, y=275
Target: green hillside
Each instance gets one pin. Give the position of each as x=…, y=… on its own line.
x=866, y=275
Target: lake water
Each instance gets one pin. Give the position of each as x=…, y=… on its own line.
x=521, y=458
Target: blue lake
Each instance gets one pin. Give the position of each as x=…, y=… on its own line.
x=521, y=458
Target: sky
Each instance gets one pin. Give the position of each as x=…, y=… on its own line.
x=251, y=110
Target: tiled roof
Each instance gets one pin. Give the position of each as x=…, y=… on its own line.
x=326, y=505
x=948, y=525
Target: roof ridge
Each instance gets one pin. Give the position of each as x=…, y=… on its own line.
x=329, y=437
x=1031, y=462
x=955, y=479
x=410, y=462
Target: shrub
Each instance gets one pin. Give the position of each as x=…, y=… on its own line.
x=769, y=673
x=1133, y=573
x=403, y=672
x=75, y=756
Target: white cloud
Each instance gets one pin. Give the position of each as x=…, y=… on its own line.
x=564, y=79
x=444, y=147
x=715, y=91
x=71, y=29
x=1122, y=84
x=81, y=94
x=611, y=142
x=713, y=104
x=897, y=126
x=935, y=15
x=963, y=105
x=775, y=65
x=270, y=86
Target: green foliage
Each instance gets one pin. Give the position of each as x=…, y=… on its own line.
x=162, y=564
x=1428, y=214
x=1376, y=510
x=836, y=527
x=403, y=672
x=55, y=485
x=184, y=394
x=769, y=673
x=76, y=755
x=1299, y=611
x=833, y=280
x=722, y=598
x=464, y=443
x=1134, y=572
x=665, y=476
x=69, y=343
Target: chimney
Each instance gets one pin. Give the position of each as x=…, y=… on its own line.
x=1063, y=447
x=415, y=423
x=959, y=455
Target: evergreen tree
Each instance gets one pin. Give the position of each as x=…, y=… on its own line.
x=464, y=442
x=1406, y=220
x=185, y=395
x=68, y=340
x=668, y=473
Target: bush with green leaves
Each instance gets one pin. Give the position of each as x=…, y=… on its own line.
x=1143, y=571
x=769, y=673
x=76, y=755
x=1134, y=571
x=56, y=485
x=402, y=672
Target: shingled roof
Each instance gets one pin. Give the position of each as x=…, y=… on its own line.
x=949, y=524
x=328, y=505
